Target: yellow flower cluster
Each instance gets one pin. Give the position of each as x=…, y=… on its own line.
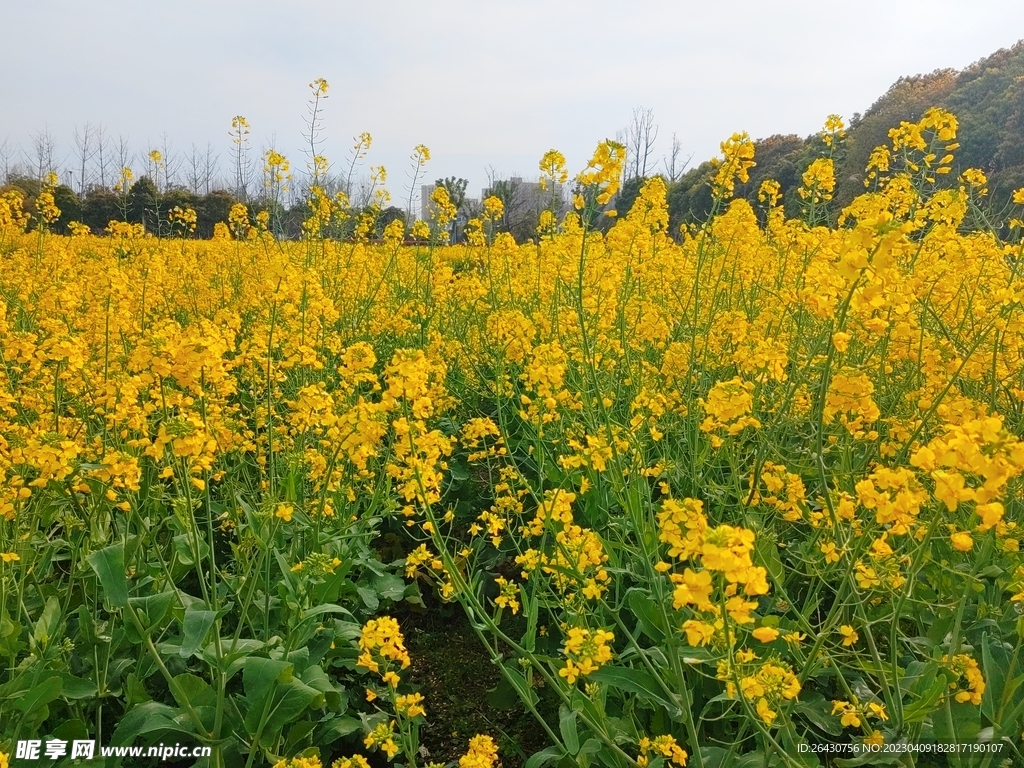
x=783, y=491
x=482, y=753
x=852, y=713
x=585, y=651
x=765, y=684
x=665, y=746
x=725, y=550
x=297, y=762
x=850, y=400
x=727, y=408
x=383, y=648
x=575, y=562
x=382, y=737
x=970, y=683
x=735, y=164
x=972, y=462
x=819, y=181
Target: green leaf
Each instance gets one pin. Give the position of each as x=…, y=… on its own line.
x=260, y=678
x=48, y=624
x=291, y=700
x=152, y=609
x=150, y=717
x=545, y=756
x=135, y=690
x=109, y=566
x=260, y=674
x=40, y=694
x=567, y=727
x=503, y=695
x=995, y=662
x=183, y=549
x=338, y=728
x=647, y=614
x=819, y=712
x=923, y=707
x=316, y=678
x=369, y=598
x=195, y=625
x=634, y=681
x=192, y=690
x=10, y=631
x=76, y=687
x=956, y=722
x=768, y=556
x=70, y=730
x=327, y=608
x=389, y=586
x=296, y=734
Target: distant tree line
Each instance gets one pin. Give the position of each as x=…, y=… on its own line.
x=987, y=98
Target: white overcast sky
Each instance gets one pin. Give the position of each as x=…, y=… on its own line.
x=482, y=84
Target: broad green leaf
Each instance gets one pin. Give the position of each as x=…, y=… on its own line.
x=316, y=678
x=192, y=690
x=369, y=598
x=195, y=625
x=567, y=727
x=923, y=707
x=818, y=711
x=260, y=679
x=995, y=662
x=152, y=609
x=388, y=586
x=108, y=563
x=135, y=690
x=151, y=717
x=338, y=728
x=768, y=556
x=328, y=608
x=76, y=687
x=260, y=674
x=291, y=700
x=40, y=694
x=634, y=681
x=646, y=611
x=46, y=627
x=545, y=756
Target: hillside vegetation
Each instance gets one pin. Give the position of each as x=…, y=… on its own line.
x=987, y=98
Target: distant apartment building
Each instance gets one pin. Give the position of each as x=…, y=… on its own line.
x=526, y=196
x=469, y=206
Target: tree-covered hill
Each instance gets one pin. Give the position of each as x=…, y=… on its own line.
x=987, y=97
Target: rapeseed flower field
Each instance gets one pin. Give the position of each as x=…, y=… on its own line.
x=713, y=497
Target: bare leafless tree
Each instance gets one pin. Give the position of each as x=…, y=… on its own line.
x=172, y=162
x=211, y=161
x=674, y=165
x=123, y=154
x=640, y=135
x=194, y=170
x=101, y=158
x=200, y=168
x=85, y=149
x=241, y=156
x=43, y=159
x=6, y=151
